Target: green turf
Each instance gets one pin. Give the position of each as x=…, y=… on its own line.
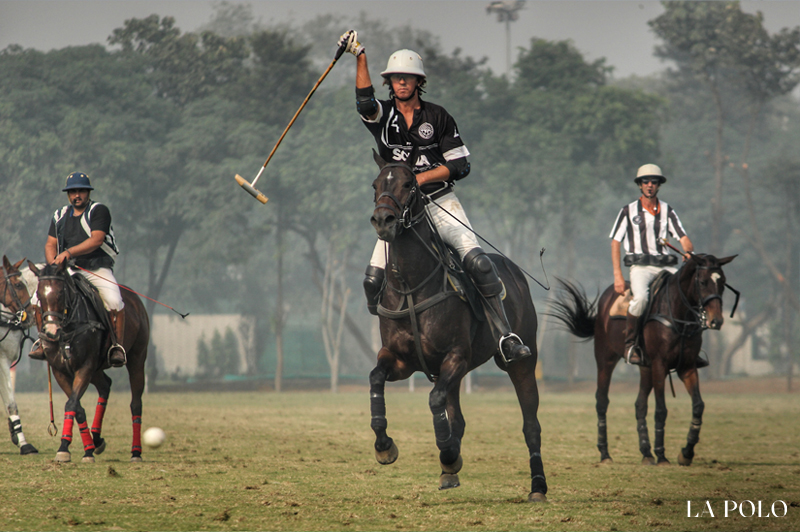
x=304, y=461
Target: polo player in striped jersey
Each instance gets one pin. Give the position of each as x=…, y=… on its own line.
x=640, y=227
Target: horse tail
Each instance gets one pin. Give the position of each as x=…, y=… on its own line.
x=573, y=308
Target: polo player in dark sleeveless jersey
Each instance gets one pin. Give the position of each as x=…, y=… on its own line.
x=82, y=231
x=640, y=227
x=406, y=124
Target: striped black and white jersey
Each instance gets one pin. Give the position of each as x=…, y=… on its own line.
x=433, y=131
x=640, y=232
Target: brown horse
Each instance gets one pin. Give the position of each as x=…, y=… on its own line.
x=428, y=330
x=689, y=301
x=75, y=339
x=16, y=316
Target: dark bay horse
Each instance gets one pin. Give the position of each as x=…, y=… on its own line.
x=16, y=316
x=429, y=331
x=689, y=302
x=75, y=340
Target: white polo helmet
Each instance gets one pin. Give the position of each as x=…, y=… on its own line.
x=649, y=170
x=404, y=62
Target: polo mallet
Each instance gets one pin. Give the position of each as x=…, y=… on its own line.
x=52, y=430
x=251, y=187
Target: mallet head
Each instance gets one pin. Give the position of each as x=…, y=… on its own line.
x=250, y=190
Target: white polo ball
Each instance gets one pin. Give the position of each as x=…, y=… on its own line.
x=154, y=437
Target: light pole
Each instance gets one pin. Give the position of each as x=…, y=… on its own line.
x=507, y=11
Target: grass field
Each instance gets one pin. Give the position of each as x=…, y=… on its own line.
x=304, y=461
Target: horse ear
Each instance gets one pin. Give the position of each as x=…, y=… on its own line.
x=18, y=264
x=6, y=263
x=33, y=268
x=726, y=260
x=378, y=159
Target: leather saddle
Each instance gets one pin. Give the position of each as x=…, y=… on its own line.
x=619, y=308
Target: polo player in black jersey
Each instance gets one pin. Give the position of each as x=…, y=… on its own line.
x=406, y=124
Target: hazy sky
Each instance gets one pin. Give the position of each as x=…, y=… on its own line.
x=616, y=30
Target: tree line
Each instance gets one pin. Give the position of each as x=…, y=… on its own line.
x=162, y=120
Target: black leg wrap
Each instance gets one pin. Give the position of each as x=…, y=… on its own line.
x=374, y=282
x=538, y=480
x=378, y=409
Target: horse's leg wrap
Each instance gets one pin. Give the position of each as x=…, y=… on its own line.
x=661, y=421
x=601, y=405
x=136, y=447
x=694, y=431
x=86, y=437
x=377, y=406
x=97, y=422
x=641, y=427
x=448, y=444
x=66, y=432
x=15, y=428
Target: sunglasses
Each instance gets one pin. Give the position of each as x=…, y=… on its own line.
x=402, y=77
x=650, y=180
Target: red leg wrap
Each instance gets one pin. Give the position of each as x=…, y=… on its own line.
x=100, y=411
x=86, y=436
x=137, y=434
x=69, y=419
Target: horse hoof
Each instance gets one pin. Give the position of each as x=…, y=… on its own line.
x=682, y=460
x=28, y=449
x=87, y=459
x=98, y=449
x=540, y=497
x=663, y=462
x=606, y=461
x=447, y=481
x=453, y=468
x=136, y=459
x=648, y=460
x=63, y=457
x=388, y=456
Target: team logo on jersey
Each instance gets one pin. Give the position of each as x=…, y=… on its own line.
x=637, y=220
x=426, y=131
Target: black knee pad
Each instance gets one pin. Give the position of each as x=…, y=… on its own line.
x=481, y=268
x=373, y=282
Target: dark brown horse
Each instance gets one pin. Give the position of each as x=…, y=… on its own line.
x=75, y=339
x=16, y=316
x=688, y=302
x=425, y=329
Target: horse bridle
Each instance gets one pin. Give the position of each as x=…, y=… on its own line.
x=20, y=315
x=402, y=210
x=57, y=318
x=700, y=312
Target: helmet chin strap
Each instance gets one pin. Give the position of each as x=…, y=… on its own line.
x=406, y=99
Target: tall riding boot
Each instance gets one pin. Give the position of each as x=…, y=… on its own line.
x=631, y=351
x=37, y=350
x=116, y=353
x=373, y=287
x=483, y=273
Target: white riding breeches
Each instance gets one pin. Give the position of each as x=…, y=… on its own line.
x=452, y=232
x=103, y=279
x=641, y=277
